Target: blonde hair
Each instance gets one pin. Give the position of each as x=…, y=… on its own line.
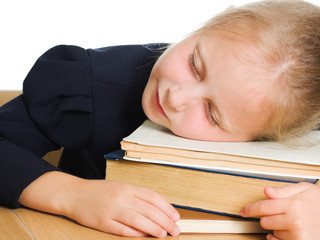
x=286, y=33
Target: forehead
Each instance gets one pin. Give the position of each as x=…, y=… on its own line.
x=220, y=43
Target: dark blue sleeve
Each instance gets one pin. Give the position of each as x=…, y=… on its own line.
x=54, y=110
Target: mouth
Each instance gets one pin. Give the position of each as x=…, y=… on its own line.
x=157, y=104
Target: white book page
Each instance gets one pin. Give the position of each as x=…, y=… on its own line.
x=239, y=172
x=152, y=134
x=219, y=226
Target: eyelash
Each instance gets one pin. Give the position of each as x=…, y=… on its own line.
x=193, y=65
x=209, y=114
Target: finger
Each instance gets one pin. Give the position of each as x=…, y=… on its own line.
x=286, y=191
x=141, y=223
x=270, y=236
x=158, y=201
x=265, y=208
x=275, y=222
x=157, y=216
x=117, y=228
x=283, y=235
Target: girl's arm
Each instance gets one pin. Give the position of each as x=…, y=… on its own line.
x=292, y=212
x=57, y=109
x=109, y=206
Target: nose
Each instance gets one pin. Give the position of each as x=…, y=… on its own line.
x=181, y=97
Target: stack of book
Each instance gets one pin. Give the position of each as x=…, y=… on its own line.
x=217, y=177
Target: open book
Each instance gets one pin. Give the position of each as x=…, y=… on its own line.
x=155, y=144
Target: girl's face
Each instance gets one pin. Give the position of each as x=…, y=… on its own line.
x=200, y=89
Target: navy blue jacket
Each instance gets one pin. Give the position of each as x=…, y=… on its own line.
x=83, y=100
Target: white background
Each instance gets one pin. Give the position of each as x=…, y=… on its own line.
x=30, y=27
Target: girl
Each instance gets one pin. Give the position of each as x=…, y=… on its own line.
x=250, y=73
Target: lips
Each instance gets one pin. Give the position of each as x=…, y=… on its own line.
x=157, y=104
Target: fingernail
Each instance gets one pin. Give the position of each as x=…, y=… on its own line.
x=271, y=192
x=176, y=217
x=176, y=231
x=271, y=189
x=242, y=211
x=163, y=234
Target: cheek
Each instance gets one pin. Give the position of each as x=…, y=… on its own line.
x=173, y=69
x=192, y=125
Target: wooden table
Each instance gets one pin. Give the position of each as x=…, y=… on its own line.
x=27, y=224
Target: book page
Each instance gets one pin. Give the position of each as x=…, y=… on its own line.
x=219, y=226
x=152, y=134
x=235, y=171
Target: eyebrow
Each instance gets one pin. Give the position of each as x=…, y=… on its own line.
x=204, y=70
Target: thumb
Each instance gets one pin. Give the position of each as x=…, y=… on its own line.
x=286, y=191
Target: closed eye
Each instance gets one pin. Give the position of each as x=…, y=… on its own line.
x=210, y=115
x=193, y=66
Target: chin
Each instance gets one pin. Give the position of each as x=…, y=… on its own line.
x=155, y=120
x=160, y=122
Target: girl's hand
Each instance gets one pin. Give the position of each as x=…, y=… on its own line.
x=292, y=212
x=122, y=209
x=109, y=206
